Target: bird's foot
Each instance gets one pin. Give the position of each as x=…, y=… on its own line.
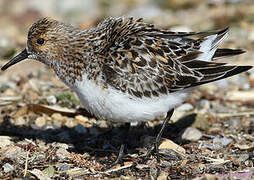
x=119, y=158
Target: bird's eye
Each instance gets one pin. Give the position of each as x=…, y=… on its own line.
x=40, y=41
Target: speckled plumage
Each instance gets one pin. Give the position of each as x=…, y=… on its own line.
x=127, y=70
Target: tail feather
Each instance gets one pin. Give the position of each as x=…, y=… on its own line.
x=210, y=44
x=231, y=71
x=221, y=53
x=221, y=35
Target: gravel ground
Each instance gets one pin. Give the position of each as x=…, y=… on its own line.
x=45, y=133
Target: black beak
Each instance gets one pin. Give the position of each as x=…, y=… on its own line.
x=20, y=57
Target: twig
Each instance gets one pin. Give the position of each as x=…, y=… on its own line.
x=26, y=163
x=118, y=169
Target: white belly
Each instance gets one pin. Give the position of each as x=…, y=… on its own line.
x=114, y=105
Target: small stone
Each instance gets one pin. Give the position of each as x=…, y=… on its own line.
x=204, y=104
x=64, y=167
x=57, y=124
x=62, y=154
x=12, y=152
x=5, y=141
x=81, y=118
x=246, y=86
x=70, y=123
x=163, y=175
x=185, y=107
x=8, y=168
x=211, y=146
x=234, y=122
x=40, y=121
x=168, y=144
x=224, y=141
x=9, y=92
x=52, y=99
x=191, y=134
x=215, y=130
x=49, y=171
x=201, y=121
x=39, y=174
x=80, y=129
x=4, y=87
x=57, y=116
x=21, y=112
x=103, y=124
x=209, y=88
x=62, y=145
x=20, y=121
x=247, y=96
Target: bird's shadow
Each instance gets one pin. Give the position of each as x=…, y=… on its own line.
x=103, y=143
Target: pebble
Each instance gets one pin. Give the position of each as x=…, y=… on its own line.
x=62, y=145
x=40, y=121
x=210, y=146
x=164, y=144
x=224, y=141
x=56, y=117
x=215, y=130
x=64, y=167
x=62, y=154
x=185, y=107
x=191, y=134
x=234, y=122
x=246, y=86
x=4, y=87
x=103, y=124
x=218, y=143
x=12, y=152
x=168, y=144
x=209, y=88
x=70, y=123
x=39, y=174
x=20, y=121
x=204, y=104
x=240, y=95
x=8, y=168
x=163, y=175
x=57, y=124
x=80, y=129
x=5, y=141
x=201, y=121
x=81, y=118
x=52, y=99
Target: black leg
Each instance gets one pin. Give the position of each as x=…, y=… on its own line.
x=119, y=158
x=158, y=138
x=121, y=151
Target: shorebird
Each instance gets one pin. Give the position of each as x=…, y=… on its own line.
x=126, y=70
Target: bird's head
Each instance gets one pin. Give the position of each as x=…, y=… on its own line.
x=46, y=41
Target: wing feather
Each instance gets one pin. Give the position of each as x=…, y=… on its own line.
x=145, y=61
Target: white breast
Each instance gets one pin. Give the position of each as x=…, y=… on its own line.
x=114, y=105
